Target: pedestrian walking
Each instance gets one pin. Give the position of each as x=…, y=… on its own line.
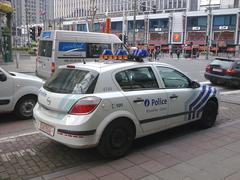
x=157, y=53
x=178, y=53
x=171, y=54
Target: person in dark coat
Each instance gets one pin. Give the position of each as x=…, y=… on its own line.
x=178, y=53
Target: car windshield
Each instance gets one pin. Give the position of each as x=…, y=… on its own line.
x=223, y=64
x=72, y=81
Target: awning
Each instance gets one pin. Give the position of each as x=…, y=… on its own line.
x=6, y=7
x=231, y=49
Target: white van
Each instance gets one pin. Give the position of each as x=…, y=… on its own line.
x=58, y=47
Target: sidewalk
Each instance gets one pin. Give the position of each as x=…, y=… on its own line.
x=183, y=153
x=24, y=65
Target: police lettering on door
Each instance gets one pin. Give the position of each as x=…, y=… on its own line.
x=153, y=105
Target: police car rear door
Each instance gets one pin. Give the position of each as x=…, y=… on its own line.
x=179, y=93
x=148, y=100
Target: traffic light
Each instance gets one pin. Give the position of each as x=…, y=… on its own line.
x=33, y=33
x=154, y=9
x=125, y=39
x=39, y=31
x=143, y=6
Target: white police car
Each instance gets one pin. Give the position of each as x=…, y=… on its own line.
x=108, y=104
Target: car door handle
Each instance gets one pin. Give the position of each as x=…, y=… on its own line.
x=138, y=100
x=173, y=96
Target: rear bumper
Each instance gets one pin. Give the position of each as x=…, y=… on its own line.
x=222, y=79
x=74, y=136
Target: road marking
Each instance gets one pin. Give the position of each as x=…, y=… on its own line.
x=19, y=154
x=13, y=138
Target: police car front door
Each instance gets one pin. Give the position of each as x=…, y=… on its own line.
x=179, y=94
x=149, y=103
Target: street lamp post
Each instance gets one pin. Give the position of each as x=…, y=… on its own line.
x=134, y=21
x=208, y=29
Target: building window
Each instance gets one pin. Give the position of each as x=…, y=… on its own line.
x=224, y=20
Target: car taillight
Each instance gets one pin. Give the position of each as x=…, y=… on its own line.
x=208, y=68
x=53, y=67
x=85, y=106
x=231, y=71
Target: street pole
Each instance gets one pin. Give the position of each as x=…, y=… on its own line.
x=134, y=22
x=208, y=29
x=27, y=28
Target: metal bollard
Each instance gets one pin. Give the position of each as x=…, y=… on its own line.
x=17, y=59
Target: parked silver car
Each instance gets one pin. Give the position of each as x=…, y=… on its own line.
x=18, y=93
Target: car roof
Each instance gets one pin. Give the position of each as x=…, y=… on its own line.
x=227, y=59
x=109, y=65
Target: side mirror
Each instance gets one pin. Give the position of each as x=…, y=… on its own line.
x=3, y=77
x=194, y=84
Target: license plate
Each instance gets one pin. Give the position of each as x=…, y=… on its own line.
x=217, y=70
x=47, y=128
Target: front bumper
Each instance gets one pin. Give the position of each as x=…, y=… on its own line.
x=74, y=136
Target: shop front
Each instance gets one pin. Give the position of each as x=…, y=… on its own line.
x=158, y=34
x=224, y=34
x=195, y=41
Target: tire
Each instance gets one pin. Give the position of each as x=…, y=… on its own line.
x=24, y=107
x=214, y=82
x=116, y=139
x=209, y=114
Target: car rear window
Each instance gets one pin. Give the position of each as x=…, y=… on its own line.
x=222, y=63
x=45, y=48
x=72, y=81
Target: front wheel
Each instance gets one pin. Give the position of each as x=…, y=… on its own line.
x=209, y=114
x=117, y=139
x=24, y=107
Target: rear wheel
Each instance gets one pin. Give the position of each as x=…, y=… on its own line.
x=117, y=139
x=214, y=82
x=24, y=107
x=209, y=114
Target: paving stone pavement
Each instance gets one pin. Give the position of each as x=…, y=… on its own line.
x=183, y=153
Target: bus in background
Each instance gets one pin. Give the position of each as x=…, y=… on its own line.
x=58, y=47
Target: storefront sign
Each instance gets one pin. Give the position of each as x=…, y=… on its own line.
x=209, y=2
x=158, y=29
x=223, y=27
x=196, y=28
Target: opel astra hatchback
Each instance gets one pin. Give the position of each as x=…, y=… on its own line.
x=109, y=104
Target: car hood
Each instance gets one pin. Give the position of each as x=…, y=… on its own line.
x=22, y=76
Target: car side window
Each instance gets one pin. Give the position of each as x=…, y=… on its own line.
x=137, y=79
x=237, y=65
x=172, y=78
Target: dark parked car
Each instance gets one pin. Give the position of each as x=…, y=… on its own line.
x=224, y=71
